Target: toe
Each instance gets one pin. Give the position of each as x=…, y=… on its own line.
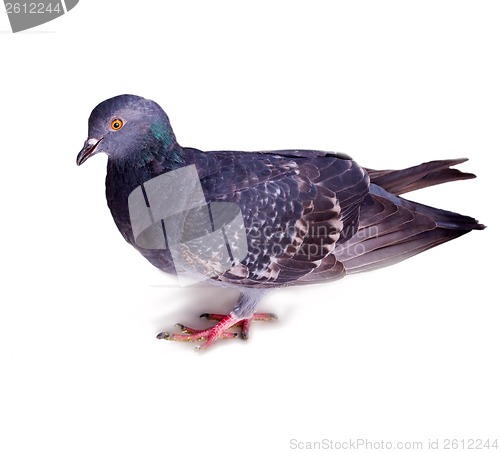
x=213, y=316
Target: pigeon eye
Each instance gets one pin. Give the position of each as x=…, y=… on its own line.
x=116, y=124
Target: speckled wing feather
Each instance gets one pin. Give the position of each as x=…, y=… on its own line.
x=296, y=206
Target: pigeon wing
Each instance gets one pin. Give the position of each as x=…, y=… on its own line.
x=296, y=206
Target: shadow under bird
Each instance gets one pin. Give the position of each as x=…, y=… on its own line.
x=306, y=216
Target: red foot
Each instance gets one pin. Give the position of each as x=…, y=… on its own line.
x=220, y=330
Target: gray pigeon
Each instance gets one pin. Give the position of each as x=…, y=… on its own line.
x=260, y=220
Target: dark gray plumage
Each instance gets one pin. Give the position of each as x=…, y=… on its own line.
x=338, y=218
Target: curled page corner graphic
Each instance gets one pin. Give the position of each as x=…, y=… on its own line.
x=24, y=14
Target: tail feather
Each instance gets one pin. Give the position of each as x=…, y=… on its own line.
x=392, y=229
x=399, y=251
x=442, y=217
x=420, y=176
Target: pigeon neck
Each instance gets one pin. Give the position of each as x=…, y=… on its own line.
x=136, y=169
x=168, y=154
x=164, y=147
x=173, y=156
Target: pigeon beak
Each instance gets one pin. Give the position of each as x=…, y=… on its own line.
x=87, y=151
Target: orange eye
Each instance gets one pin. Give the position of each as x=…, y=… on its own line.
x=116, y=124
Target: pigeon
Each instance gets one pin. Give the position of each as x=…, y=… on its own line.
x=256, y=221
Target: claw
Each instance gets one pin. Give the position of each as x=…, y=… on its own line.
x=163, y=336
x=213, y=316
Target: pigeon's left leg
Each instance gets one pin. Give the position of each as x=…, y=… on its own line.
x=242, y=315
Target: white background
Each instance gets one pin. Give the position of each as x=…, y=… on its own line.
x=406, y=353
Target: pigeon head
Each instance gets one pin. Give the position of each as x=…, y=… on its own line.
x=126, y=127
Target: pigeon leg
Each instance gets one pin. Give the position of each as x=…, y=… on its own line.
x=244, y=323
x=242, y=315
x=209, y=335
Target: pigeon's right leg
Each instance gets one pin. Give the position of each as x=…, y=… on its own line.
x=244, y=323
x=242, y=315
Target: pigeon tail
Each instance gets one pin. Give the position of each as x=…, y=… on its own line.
x=442, y=217
x=420, y=176
x=393, y=229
